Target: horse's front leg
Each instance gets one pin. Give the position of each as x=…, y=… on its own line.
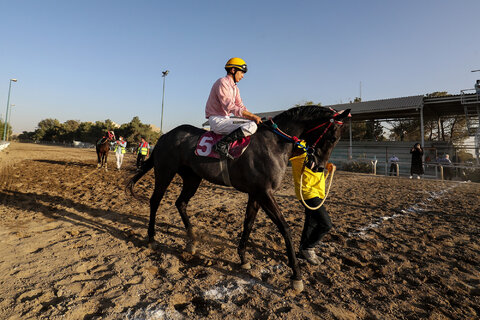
x=99, y=160
x=270, y=206
x=250, y=215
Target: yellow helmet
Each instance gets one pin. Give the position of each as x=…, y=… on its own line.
x=236, y=63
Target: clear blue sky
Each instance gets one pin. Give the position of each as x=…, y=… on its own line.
x=97, y=60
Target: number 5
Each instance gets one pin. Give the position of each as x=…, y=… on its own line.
x=206, y=146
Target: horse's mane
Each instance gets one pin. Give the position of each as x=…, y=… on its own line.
x=303, y=113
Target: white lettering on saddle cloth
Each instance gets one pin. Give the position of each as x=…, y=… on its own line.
x=208, y=139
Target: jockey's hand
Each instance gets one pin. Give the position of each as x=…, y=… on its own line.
x=330, y=167
x=251, y=116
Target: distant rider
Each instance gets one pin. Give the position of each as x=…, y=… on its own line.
x=224, y=100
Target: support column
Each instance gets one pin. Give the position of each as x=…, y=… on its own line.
x=350, y=155
x=422, y=129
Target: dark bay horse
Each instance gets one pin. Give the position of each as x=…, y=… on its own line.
x=103, y=147
x=258, y=171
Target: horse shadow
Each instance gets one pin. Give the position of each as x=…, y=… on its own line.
x=67, y=163
x=57, y=208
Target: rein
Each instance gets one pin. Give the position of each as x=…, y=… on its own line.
x=293, y=139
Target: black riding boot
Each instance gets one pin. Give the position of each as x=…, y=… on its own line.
x=221, y=147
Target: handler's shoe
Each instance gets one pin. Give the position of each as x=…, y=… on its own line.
x=311, y=256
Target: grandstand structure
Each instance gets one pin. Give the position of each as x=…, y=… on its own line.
x=413, y=107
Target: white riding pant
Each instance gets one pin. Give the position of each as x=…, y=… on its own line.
x=225, y=125
x=119, y=157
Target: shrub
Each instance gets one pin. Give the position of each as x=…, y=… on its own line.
x=356, y=166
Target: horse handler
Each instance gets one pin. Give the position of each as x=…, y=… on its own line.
x=317, y=221
x=143, y=151
x=120, y=149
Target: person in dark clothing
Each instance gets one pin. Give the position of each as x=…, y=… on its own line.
x=417, y=161
x=143, y=151
x=312, y=190
x=447, y=167
x=393, y=164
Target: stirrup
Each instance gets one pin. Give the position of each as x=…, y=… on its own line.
x=222, y=150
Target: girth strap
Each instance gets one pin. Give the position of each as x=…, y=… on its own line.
x=224, y=171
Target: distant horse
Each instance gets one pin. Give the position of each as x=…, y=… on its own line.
x=258, y=171
x=103, y=147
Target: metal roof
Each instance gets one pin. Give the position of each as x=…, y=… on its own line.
x=394, y=108
x=402, y=103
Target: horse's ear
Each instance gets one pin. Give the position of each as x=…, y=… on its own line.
x=342, y=114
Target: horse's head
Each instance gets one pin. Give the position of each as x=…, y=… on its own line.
x=110, y=135
x=321, y=134
x=320, y=127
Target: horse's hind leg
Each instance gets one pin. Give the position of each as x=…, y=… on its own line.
x=162, y=180
x=250, y=215
x=191, y=181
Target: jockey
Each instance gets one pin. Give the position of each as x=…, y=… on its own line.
x=224, y=100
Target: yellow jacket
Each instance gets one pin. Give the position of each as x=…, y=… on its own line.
x=313, y=183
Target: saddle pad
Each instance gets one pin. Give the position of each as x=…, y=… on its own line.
x=208, y=139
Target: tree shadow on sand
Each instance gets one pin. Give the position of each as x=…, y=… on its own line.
x=67, y=163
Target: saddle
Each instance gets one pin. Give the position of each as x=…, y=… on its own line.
x=207, y=140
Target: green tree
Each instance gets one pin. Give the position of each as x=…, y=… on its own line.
x=52, y=130
x=308, y=103
x=2, y=127
x=370, y=130
x=48, y=130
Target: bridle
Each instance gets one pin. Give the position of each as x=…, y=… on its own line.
x=295, y=140
x=310, y=150
x=330, y=123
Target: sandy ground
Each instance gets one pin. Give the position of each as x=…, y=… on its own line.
x=72, y=246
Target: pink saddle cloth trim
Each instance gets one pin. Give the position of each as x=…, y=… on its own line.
x=206, y=142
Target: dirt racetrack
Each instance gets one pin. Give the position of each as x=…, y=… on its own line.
x=72, y=246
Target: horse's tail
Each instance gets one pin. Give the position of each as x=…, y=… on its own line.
x=147, y=165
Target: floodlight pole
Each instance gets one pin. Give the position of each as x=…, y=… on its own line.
x=164, y=75
x=6, y=113
x=10, y=115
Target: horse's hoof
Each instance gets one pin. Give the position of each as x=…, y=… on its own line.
x=191, y=248
x=246, y=266
x=297, y=285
